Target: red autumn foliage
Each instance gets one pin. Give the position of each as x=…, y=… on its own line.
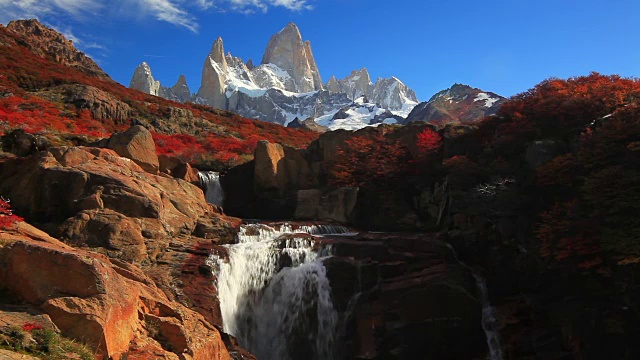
x=428, y=141
x=29, y=327
x=228, y=138
x=564, y=233
x=7, y=217
x=368, y=160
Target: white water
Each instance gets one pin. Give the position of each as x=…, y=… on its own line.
x=274, y=293
x=213, y=190
x=489, y=322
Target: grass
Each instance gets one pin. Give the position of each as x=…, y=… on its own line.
x=43, y=343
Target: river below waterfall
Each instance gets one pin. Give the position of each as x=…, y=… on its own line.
x=274, y=293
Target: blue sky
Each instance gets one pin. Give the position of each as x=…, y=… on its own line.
x=500, y=46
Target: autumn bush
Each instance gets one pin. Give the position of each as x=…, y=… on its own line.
x=7, y=217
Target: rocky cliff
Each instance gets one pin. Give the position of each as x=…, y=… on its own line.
x=136, y=243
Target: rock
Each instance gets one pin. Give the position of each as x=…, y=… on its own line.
x=540, y=152
x=308, y=203
x=102, y=105
x=107, y=231
x=21, y=143
x=269, y=167
x=136, y=144
x=177, y=168
x=110, y=306
x=10, y=355
x=338, y=205
x=287, y=51
x=399, y=287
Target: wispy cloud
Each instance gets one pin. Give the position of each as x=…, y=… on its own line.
x=177, y=12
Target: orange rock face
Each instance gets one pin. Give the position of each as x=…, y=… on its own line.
x=112, y=306
x=130, y=277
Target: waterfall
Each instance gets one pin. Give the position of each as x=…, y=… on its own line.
x=210, y=180
x=489, y=322
x=274, y=293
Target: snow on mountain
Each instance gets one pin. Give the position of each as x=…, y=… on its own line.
x=285, y=86
x=458, y=104
x=359, y=114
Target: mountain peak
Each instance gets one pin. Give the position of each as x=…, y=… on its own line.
x=291, y=26
x=287, y=51
x=217, y=52
x=52, y=45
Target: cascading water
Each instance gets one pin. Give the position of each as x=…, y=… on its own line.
x=213, y=193
x=274, y=293
x=489, y=321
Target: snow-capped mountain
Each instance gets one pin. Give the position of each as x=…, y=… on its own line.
x=458, y=104
x=286, y=85
x=391, y=93
x=359, y=114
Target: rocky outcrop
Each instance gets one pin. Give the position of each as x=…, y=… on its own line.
x=104, y=204
x=110, y=305
x=287, y=51
x=51, y=44
x=394, y=289
x=102, y=105
x=178, y=169
x=136, y=144
x=458, y=104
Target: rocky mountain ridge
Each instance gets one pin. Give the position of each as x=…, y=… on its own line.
x=51, y=44
x=286, y=85
x=458, y=104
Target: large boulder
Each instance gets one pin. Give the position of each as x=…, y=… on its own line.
x=136, y=144
x=269, y=167
x=179, y=169
x=307, y=204
x=338, y=205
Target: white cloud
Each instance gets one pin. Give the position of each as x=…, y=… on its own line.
x=177, y=12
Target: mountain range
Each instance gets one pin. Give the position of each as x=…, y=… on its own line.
x=287, y=86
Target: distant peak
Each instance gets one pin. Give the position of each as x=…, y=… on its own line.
x=291, y=26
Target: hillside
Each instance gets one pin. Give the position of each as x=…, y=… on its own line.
x=50, y=88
